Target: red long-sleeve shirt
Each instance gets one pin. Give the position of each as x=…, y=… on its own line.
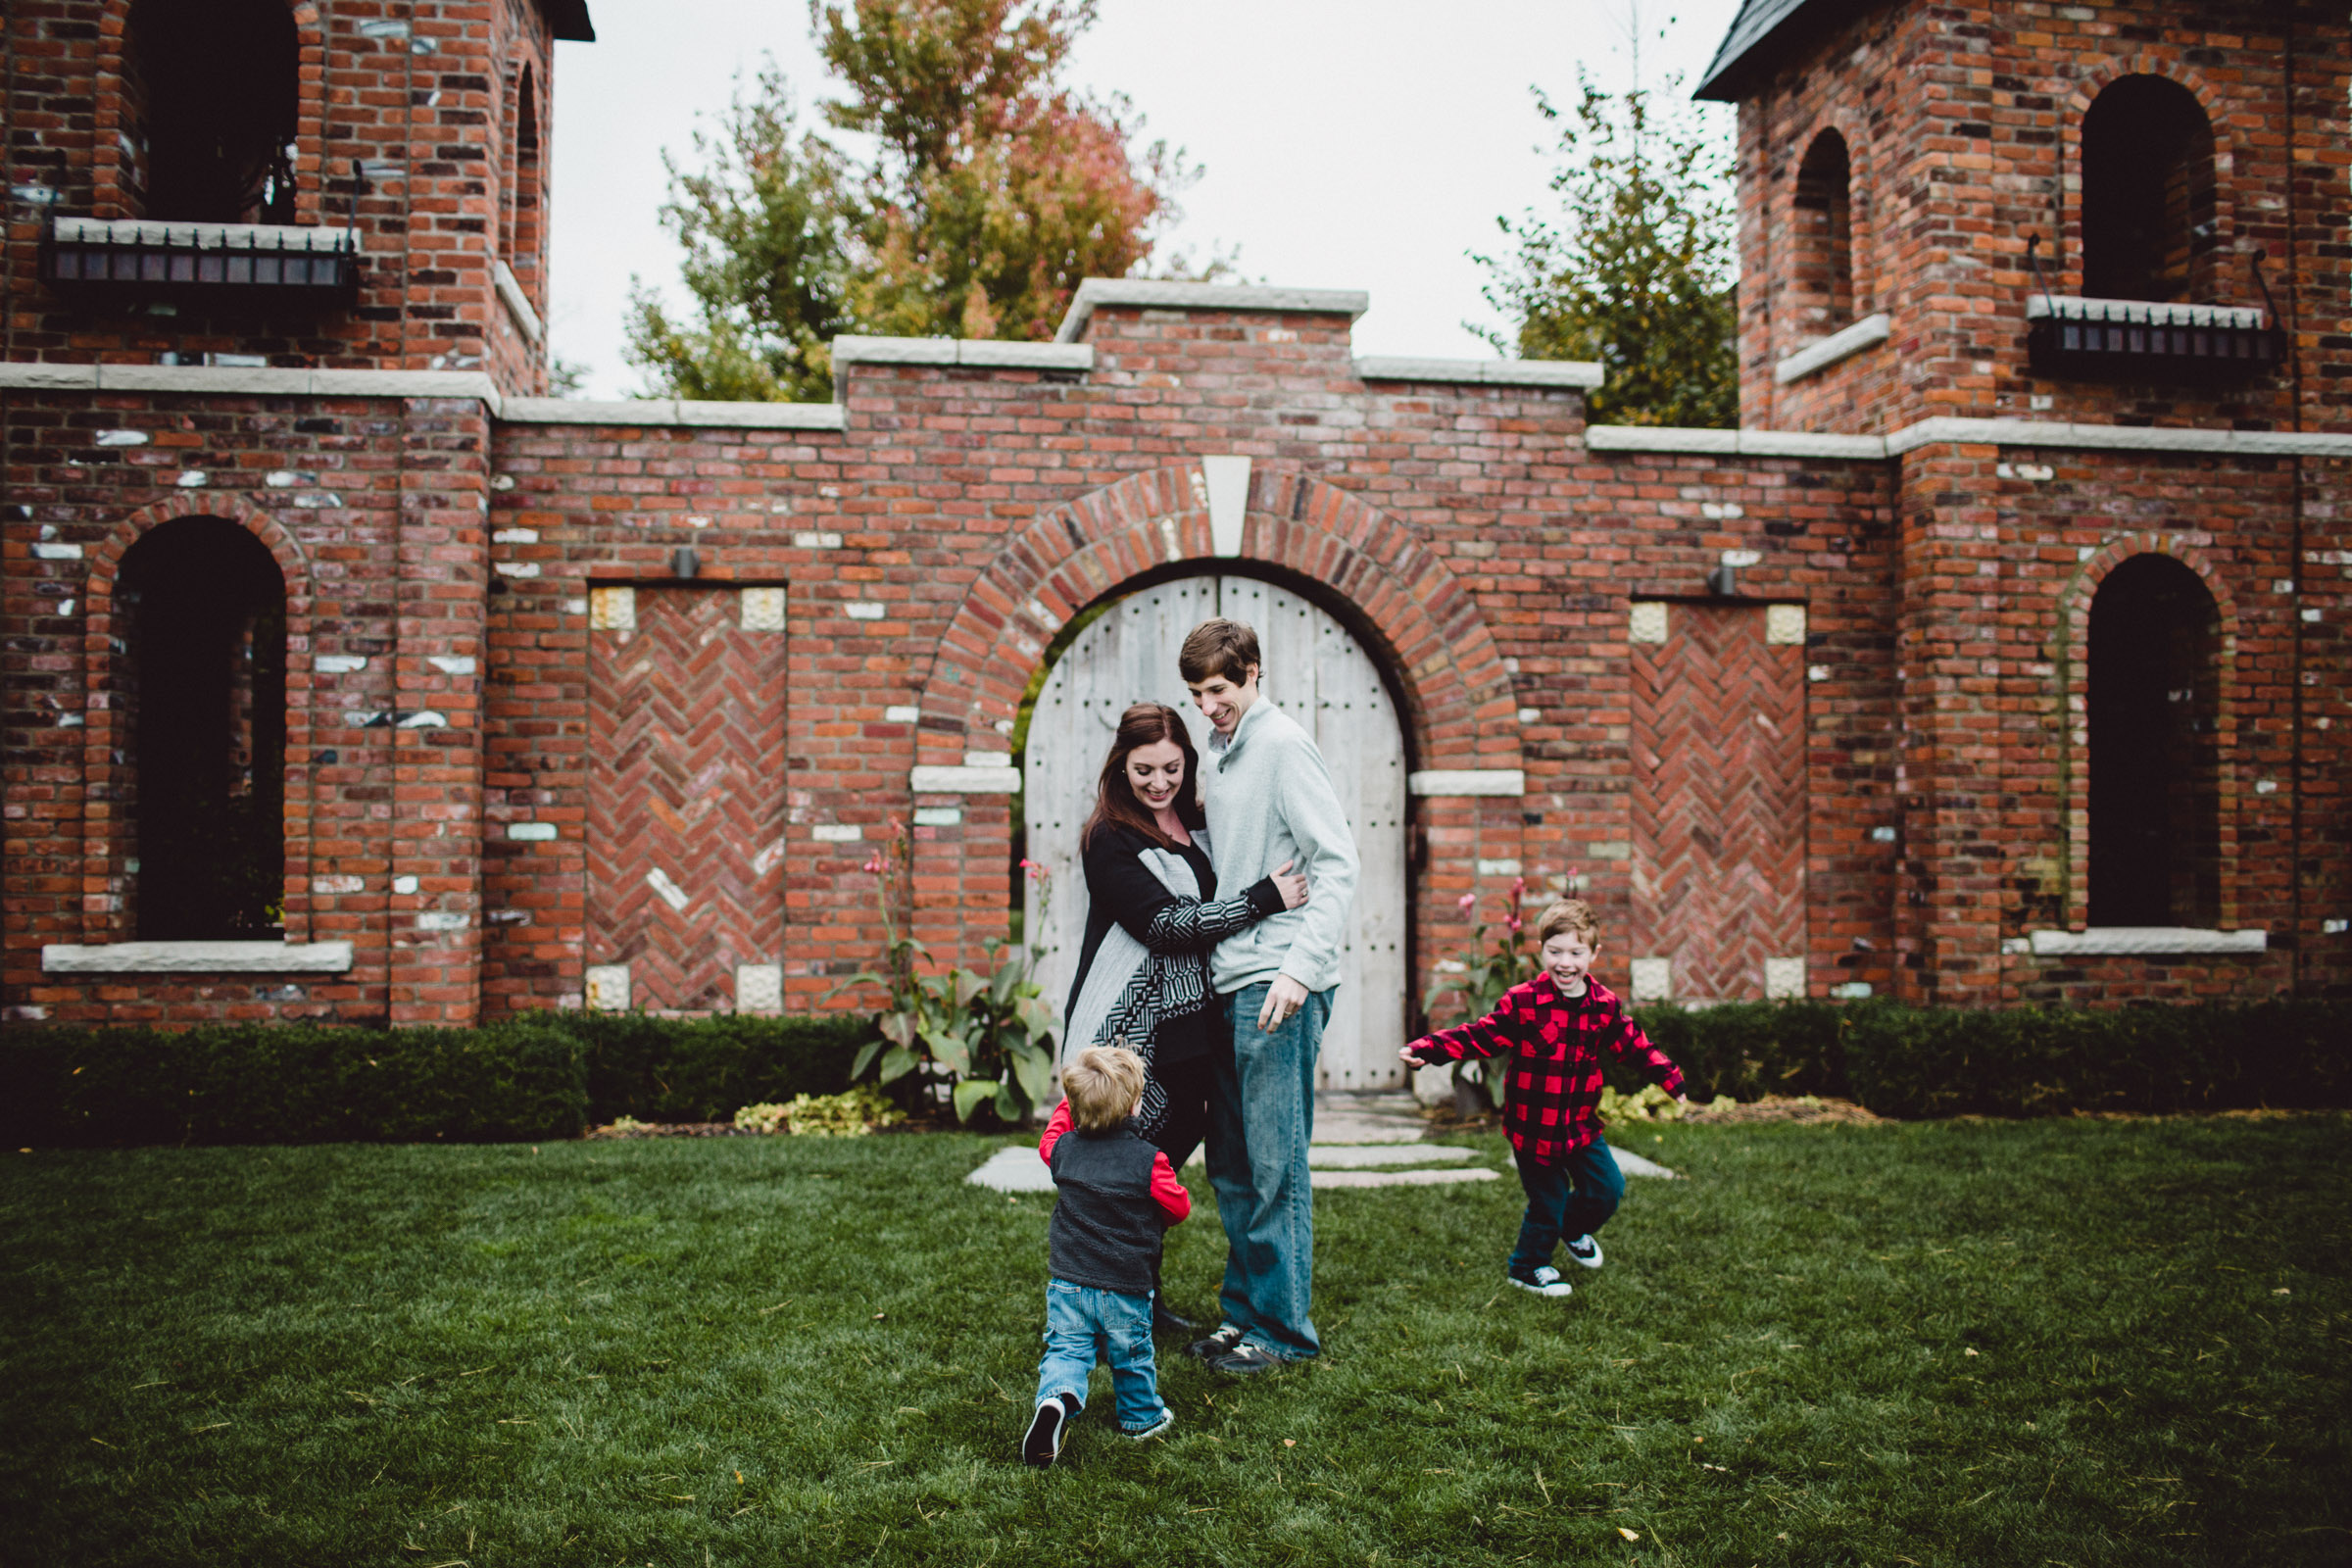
x=1555, y=1103
x=1166, y=1190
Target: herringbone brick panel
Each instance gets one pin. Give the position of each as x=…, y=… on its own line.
x=1718, y=800
x=685, y=799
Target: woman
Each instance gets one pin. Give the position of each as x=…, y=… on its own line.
x=1151, y=917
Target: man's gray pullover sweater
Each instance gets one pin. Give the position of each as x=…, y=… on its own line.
x=1271, y=800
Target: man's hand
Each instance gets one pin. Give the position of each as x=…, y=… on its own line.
x=1409, y=1059
x=1284, y=997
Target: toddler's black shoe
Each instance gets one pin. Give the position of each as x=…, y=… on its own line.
x=1164, y=1321
x=1246, y=1360
x=1543, y=1280
x=1040, y=1445
x=1586, y=1251
x=1217, y=1345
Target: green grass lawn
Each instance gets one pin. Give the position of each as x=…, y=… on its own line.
x=2072, y=1341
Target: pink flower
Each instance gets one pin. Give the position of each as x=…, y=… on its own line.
x=1466, y=903
x=1514, y=924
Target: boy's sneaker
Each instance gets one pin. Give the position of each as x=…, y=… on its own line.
x=1544, y=1281
x=1217, y=1345
x=1040, y=1445
x=1586, y=1251
x=1157, y=1427
x=1246, y=1360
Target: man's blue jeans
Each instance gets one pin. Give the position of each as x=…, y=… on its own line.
x=1084, y=1325
x=1261, y=1116
x=1570, y=1198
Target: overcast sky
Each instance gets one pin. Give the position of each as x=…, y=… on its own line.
x=1367, y=145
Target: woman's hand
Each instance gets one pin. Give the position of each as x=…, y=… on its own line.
x=1291, y=885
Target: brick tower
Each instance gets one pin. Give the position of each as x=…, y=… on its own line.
x=342, y=183
x=2078, y=269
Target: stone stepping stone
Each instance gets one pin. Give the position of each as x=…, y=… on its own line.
x=1348, y=1156
x=1014, y=1171
x=1323, y=1179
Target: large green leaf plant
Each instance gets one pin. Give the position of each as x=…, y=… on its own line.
x=986, y=1037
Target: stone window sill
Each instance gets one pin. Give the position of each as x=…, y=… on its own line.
x=2112, y=941
x=198, y=958
x=1821, y=353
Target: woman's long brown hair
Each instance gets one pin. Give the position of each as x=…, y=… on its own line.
x=1115, y=804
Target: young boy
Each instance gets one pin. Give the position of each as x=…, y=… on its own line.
x=1557, y=1023
x=1118, y=1195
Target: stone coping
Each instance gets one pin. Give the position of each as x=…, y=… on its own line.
x=1824, y=352
x=198, y=958
x=1581, y=373
x=2051, y=434
x=1154, y=294
x=271, y=382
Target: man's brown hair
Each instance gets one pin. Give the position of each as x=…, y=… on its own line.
x=1103, y=1083
x=1224, y=648
x=1569, y=914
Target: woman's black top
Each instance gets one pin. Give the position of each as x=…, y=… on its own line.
x=1123, y=888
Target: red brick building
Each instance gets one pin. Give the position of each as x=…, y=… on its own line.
x=1997, y=657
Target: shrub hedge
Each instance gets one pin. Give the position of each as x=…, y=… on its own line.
x=538, y=1077
x=2025, y=1062
x=549, y=1075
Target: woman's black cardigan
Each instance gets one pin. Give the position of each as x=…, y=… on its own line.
x=1178, y=931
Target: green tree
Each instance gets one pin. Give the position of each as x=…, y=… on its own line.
x=1637, y=271
x=764, y=228
x=992, y=190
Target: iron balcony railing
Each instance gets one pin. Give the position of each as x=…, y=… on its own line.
x=250, y=264
x=2146, y=340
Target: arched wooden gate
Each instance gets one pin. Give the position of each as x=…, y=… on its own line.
x=1320, y=675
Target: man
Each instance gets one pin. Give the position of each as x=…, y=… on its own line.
x=1270, y=800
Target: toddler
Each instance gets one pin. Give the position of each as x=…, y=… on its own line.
x=1118, y=1195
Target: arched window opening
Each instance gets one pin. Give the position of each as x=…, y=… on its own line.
x=204, y=682
x=210, y=106
x=1825, y=235
x=522, y=236
x=2150, y=230
x=2155, y=748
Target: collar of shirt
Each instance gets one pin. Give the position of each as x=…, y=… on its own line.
x=1223, y=744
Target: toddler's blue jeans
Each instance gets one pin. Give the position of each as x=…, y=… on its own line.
x=1570, y=1198
x=1084, y=1325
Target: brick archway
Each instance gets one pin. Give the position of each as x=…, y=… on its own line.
x=1415, y=613
x=2070, y=665
x=106, y=843
x=1407, y=607
x=2085, y=92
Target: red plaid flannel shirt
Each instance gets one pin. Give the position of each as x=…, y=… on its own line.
x=1555, y=1103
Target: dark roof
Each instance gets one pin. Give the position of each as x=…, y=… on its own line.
x=569, y=20
x=1760, y=23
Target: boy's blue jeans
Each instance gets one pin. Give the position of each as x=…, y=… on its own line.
x=1262, y=1115
x=1084, y=1325
x=1574, y=1197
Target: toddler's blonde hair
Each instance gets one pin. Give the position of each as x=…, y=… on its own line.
x=1103, y=1083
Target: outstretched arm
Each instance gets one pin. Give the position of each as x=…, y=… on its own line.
x=1492, y=1036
